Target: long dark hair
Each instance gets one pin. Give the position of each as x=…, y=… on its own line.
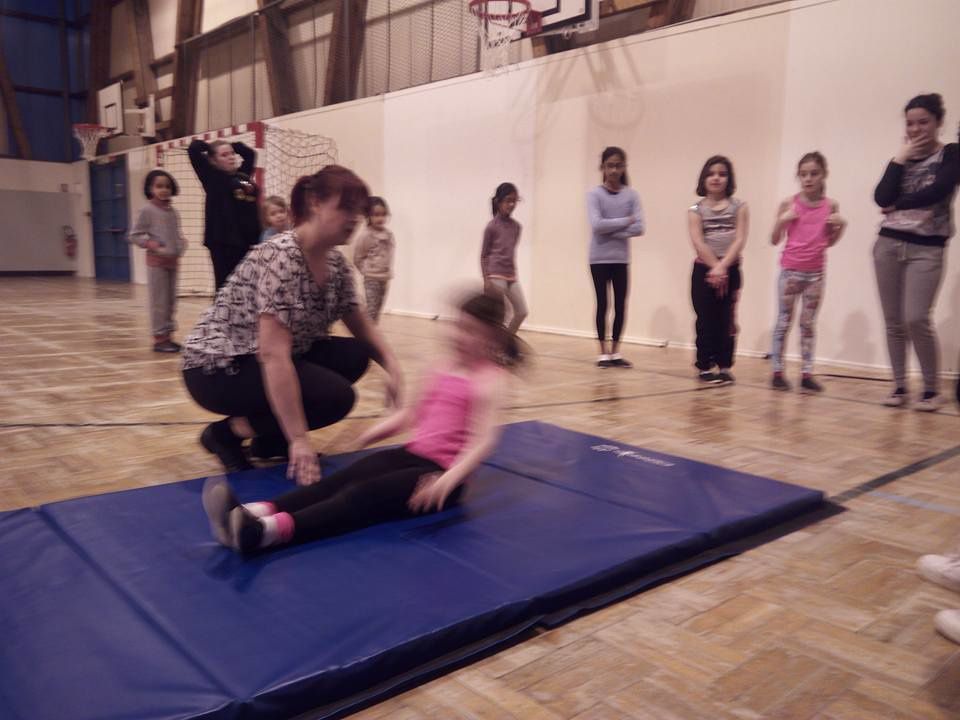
x=503, y=189
x=715, y=160
x=609, y=152
x=490, y=309
x=332, y=181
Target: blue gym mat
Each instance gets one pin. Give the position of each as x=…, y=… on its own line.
x=121, y=606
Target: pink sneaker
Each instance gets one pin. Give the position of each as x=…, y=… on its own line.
x=947, y=623
x=943, y=570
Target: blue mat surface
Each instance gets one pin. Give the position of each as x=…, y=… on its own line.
x=120, y=606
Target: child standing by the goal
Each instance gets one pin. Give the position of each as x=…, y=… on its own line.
x=157, y=230
x=373, y=256
x=231, y=214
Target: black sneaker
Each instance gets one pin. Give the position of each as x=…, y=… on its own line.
x=809, y=385
x=726, y=377
x=779, y=382
x=216, y=438
x=604, y=362
x=269, y=447
x=246, y=531
x=620, y=362
x=708, y=376
x=167, y=346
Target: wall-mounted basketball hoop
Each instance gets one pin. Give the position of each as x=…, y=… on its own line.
x=500, y=22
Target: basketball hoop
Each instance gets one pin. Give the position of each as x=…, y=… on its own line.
x=499, y=22
x=89, y=135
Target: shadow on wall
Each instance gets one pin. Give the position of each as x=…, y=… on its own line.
x=664, y=324
x=860, y=340
x=948, y=330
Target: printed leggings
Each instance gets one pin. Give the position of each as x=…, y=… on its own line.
x=809, y=287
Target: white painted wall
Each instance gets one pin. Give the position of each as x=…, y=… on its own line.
x=217, y=12
x=52, y=178
x=763, y=86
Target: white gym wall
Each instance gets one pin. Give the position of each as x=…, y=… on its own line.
x=763, y=86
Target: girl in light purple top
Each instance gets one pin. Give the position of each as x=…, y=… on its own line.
x=812, y=224
x=498, y=255
x=615, y=215
x=454, y=429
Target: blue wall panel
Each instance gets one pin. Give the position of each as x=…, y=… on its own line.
x=43, y=118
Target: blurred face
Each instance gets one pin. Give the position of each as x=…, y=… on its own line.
x=717, y=179
x=277, y=217
x=811, y=177
x=161, y=189
x=378, y=217
x=508, y=204
x=922, y=126
x=472, y=340
x=331, y=224
x=226, y=159
x=613, y=169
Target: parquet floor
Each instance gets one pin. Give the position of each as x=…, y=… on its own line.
x=828, y=622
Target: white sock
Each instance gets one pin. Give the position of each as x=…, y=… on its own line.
x=603, y=356
x=615, y=356
x=260, y=509
x=271, y=532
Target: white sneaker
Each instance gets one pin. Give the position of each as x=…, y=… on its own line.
x=941, y=569
x=930, y=404
x=947, y=623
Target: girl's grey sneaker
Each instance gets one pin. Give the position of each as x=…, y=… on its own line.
x=898, y=398
x=930, y=402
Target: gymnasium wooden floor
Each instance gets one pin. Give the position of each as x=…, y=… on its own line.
x=829, y=622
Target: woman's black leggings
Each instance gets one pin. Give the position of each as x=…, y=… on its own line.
x=225, y=258
x=326, y=373
x=606, y=274
x=372, y=490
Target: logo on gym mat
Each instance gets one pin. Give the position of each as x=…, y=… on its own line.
x=631, y=454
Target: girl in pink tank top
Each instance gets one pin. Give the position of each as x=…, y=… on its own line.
x=812, y=224
x=454, y=429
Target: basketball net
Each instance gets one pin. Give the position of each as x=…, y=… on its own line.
x=89, y=136
x=499, y=22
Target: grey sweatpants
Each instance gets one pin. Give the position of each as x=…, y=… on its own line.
x=908, y=277
x=162, y=290
x=514, y=295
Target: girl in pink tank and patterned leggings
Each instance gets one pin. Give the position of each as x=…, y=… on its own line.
x=812, y=224
x=454, y=429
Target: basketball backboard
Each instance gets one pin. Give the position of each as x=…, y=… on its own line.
x=567, y=16
x=126, y=119
x=110, y=99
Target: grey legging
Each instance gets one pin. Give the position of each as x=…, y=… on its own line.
x=908, y=277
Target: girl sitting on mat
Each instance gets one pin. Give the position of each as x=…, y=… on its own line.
x=454, y=429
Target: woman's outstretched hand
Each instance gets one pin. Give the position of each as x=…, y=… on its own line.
x=304, y=465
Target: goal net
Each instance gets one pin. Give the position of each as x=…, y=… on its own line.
x=283, y=156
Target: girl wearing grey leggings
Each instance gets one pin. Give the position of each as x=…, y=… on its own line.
x=915, y=195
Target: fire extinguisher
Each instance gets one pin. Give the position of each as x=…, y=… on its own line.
x=69, y=242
